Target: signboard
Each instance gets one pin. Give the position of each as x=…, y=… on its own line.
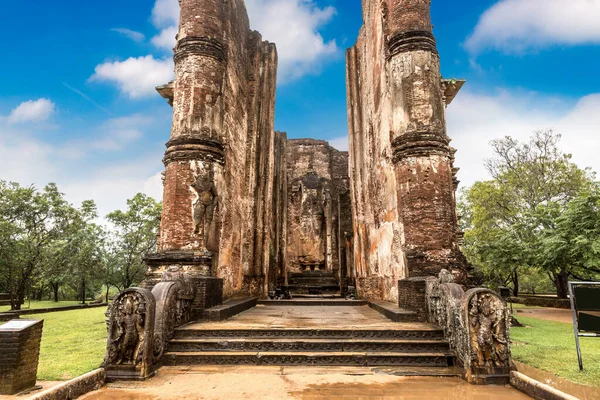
x=585, y=306
x=17, y=325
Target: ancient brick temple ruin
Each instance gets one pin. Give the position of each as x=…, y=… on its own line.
x=246, y=210
x=249, y=212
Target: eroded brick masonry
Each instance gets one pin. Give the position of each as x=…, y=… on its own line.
x=249, y=209
x=401, y=164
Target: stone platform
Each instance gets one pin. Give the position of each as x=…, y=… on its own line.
x=310, y=335
x=315, y=383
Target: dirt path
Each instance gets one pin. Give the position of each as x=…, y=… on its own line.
x=548, y=314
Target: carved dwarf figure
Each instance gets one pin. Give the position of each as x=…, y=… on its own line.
x=206, y=204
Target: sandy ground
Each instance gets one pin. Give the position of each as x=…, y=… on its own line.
x=44, y=385
x=277, y=383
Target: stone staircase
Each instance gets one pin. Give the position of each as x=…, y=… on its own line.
x=413, y=346
x=313, y=283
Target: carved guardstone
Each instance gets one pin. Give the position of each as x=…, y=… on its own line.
x=488, y=322
x=174, y=298
x=476, y=324
x=130, y=325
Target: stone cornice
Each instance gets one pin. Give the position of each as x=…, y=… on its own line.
x=194, y=148
x=200, y=46
x=419, y=144
x=411, y=41
x=187, y=257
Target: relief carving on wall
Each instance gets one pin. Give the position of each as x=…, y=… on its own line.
x=126, y=329
x=488, y=328
x=205, y=205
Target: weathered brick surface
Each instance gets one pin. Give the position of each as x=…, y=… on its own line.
x=19, y=357
x=401, y=163
x=223, y=122
x=412, y=296
x=285, y=206
x=317, y=177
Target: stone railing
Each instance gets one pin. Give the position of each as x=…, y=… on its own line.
x=477, y=325
x=140, y=323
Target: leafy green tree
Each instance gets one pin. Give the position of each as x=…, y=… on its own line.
x=88, y=241
x=30, y=220
x=532, y=184
x=573, y=242
x=134, y=235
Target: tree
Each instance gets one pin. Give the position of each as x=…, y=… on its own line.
x=134, y=236
x=573, y=243
x=29, y=222
x=532, y=184
x=87, y=241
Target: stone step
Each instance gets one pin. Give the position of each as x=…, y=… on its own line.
x=428, y=359
x=311, y=274
x=393, y=312
x=414, y=333
x=314, y=301
x=313, y=289
x=308, y=281
x=303, y=345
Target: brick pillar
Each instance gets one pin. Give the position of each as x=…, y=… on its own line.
x=194, y=184
x=19, y=355
x=422, y=156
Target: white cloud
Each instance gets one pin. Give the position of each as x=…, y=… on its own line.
x=136, y=77
x=120, y=132
x=109, y=182
x=294, y=26
x=165, y=16
x=165, y=13
x=514, y=26
x=111, y=187
x=476, y=119
x=32, y=111
x=339, y=143
x=128, y=33
x=166, y=38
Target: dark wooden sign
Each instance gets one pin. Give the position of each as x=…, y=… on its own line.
x=585, y=306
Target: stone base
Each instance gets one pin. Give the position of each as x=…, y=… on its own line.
x=229, y=309
x=166, y=265
x=208, y=293
x=412, y=296
x=488, y=376
x=253, y=285
x=129, y=373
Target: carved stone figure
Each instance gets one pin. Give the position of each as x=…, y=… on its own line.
x=126, y=330
x=446, y=276
x=488, y=331
x=206, y=203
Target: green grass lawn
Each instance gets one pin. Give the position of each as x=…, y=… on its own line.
x=550, y=346
x=36, y=305
x=73, y=343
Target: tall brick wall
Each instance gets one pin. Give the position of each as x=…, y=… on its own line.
x=223, y=101
x=401, y=162
x=317, y=175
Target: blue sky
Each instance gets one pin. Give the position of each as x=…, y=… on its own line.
x=78, y=108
